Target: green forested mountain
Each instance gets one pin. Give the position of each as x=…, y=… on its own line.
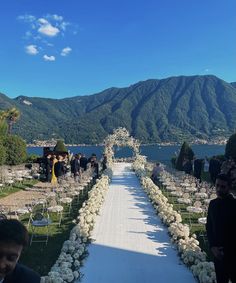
x=170, y=109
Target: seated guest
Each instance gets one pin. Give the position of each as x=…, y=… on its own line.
x=13, y=238
x=156, y=172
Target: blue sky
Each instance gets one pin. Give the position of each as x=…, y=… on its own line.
x=64, y=48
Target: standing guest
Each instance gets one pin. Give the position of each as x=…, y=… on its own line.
x=214, y=168
x=75, y=166
x=187, y=166
x=95, y=167
x=48, y=167
x=197, y=167
x=60, y=169
x=221, y=230
x=104, y=162
x=83, y=162
x=13, y=238
x=54, y=178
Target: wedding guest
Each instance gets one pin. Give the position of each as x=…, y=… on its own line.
x=54, y=178
x=13, y=238
x=104, y=162
x=75, y=166
x=83, y=162
x=197, y=167
x=187, y=166
x=48, y=167
x=157, y=169
x=214, y=168
x=221, y=230
x=59, y=168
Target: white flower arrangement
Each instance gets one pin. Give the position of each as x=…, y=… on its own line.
x=66, y=268
x=187, y=246
x=120, y=137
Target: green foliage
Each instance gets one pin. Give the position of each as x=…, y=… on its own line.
x=230, y=148
x=15, y=149
x=2, y=153
x=185, y=152
x=174, y=109
x=32, y=158
x=60, y=146
x=3, y=127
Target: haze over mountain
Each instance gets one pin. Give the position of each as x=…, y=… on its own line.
x=171, y=109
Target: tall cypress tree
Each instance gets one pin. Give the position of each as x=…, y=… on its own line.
x=185, y=152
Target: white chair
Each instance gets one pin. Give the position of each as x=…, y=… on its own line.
x=39, y=223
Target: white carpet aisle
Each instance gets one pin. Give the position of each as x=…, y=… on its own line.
x=131, y=245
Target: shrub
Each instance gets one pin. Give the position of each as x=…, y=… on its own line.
x=31, y=158
x=185, y=152
x=60, y=146
x=2, y=154
x=230, y=148
x=15, y=149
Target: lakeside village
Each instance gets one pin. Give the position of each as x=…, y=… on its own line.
x=52, y=142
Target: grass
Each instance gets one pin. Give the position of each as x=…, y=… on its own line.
x=41, y=257
x=16, y=187
x=192, y=220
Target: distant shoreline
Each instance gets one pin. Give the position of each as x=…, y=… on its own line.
x=144, y=144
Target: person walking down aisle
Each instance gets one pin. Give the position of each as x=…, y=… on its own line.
x=221, y=230
x=13, y=238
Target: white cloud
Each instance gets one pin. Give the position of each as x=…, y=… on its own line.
x=56, y=17
x=26, y=18
x=43, y=21
x=48, y=30
x=63, y=25
x=65, y=51
x=49, y=58
x=31, y=49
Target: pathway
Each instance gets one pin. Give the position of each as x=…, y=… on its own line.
x=131, y=244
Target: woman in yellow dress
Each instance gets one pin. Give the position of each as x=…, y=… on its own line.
x=54, y=178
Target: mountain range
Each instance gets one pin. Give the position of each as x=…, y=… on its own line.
x=172, y=109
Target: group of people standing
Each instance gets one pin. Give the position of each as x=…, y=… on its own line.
x=57, y=166
x=197, y=166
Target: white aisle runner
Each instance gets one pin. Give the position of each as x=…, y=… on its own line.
x=131, y=244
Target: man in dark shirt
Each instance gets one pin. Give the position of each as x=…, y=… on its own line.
x=13, y=238
x=221, y=230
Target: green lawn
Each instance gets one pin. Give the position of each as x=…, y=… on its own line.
x=41, y=257
x=16, y=187
x=192, y=220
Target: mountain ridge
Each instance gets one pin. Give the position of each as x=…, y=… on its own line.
x=154, y=110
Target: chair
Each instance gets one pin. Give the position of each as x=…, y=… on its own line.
x=39, y=222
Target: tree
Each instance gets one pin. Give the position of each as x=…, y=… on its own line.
x=15, y=149
x=3, y=123
x=230, y=148
x=12, y=115
x=60, y=146
x=185, y=152
x=2, y=153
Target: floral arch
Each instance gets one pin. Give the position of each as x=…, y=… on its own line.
x=121, y=137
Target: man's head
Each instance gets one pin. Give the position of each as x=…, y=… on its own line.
x=223, y=185
x=13, y=238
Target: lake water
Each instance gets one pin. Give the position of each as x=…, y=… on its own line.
x=153, y=152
